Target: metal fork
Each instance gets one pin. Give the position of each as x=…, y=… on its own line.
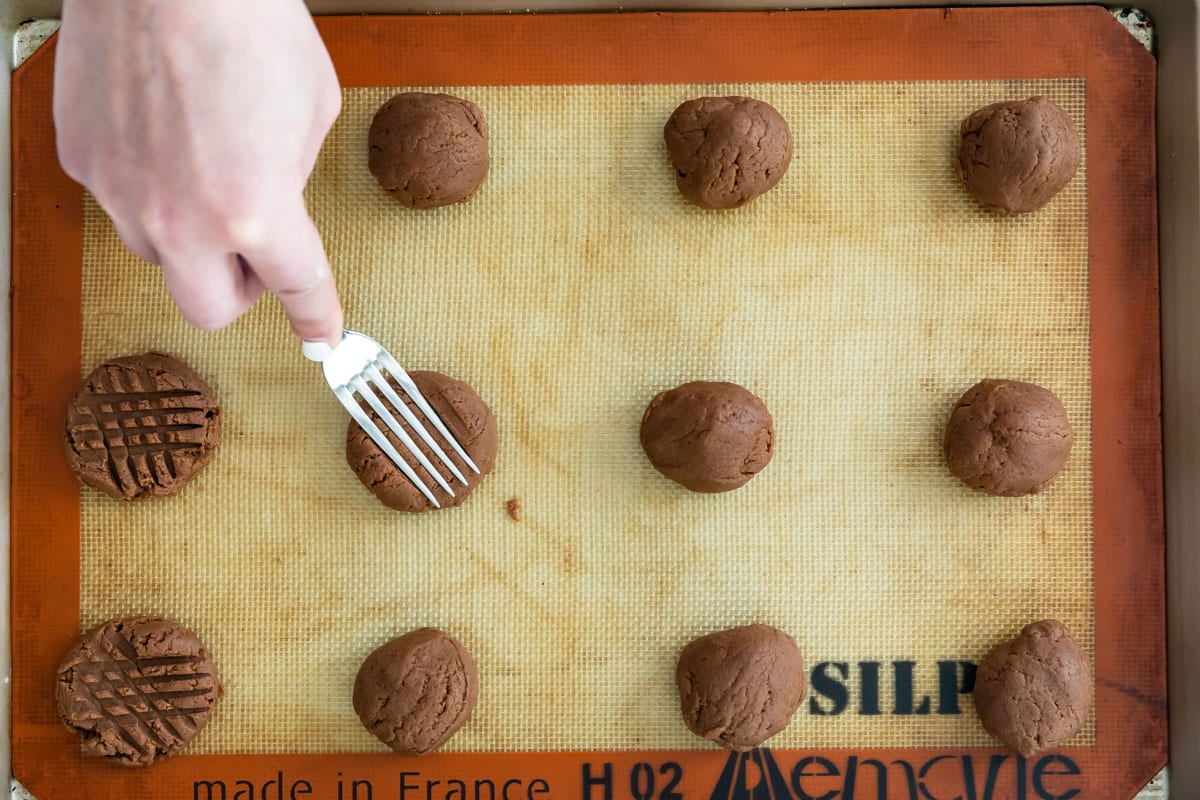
x=356, y=367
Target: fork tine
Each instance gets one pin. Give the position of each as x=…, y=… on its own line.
x=347, y=399
x=397, y=372
x=379, y=381
x=361, y=386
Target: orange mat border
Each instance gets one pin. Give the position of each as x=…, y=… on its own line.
x=840, y=46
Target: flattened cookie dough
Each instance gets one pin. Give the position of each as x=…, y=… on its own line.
x=465, y=415
x=137, y=689
x=739, y=687
x=415, y=692
x=1035, y=692
x=141, y=427
x=1007, y=438
x=708, y=436
x=1015, y=156
x=428, y=150
x=727, y=150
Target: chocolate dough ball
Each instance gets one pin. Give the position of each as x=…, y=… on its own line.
x=727, y=150
x=137, y=689
x=415, y=692
x=142, y=427
x=1035, y=692
x=1015, y=156
x=741, y=686
x=467, y=418
x=1007, y=438
x=709, y=437
x=428, y=150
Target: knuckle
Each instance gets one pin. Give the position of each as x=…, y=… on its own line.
x=247, y=231
x=304, y=283
x=139, y=249
x=161, y=224
x=211, y=318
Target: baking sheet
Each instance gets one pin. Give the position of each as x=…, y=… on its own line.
x=1032, y=43
x=860, y=298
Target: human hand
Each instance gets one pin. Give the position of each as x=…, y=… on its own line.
x=196, y=125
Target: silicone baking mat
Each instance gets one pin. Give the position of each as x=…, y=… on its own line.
x=571, y=290
x=859, y=299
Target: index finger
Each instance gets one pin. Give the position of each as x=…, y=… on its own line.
x=292, y=265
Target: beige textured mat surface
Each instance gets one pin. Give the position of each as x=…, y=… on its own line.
x=860, y=298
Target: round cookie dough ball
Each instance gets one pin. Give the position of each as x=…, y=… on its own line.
x=415, y=692
x=1015, y=156
x=1035, y=692
x=741, y=686
x=1007, y=438
x=727, y=150
x=142, y=427
x=708, y=436
x=137, y=689
x=428, y=150
x=467, y=418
